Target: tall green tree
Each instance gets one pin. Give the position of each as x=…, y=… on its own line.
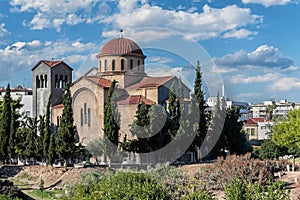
x=172, y=121
x=6, y=146
x=66, y=134
x=111, y=117
x=29, y=145
x=51, y=153
x=201, y=106
x=140, y=126
x=47, y=130
x=39, y=139
x=14, y=126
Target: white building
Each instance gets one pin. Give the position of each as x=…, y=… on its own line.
x=26, y=98
x=281, y=108
x=257, y=128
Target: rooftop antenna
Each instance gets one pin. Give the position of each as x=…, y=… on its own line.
x=121, y=33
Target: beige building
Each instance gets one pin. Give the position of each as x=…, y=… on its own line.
x=120, y=59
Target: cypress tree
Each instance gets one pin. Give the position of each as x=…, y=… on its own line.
x=172, y=119
x=201, y=105
x=47, y=131
x=6, y=140
x=31, y=135
x=66, y=134
x=39, y=139
x=111, y=128
x=51, y=150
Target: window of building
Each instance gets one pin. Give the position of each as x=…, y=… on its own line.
x=56, y=81
x=57, y=121
x=122, y=64
x=89, y=117
x=113, y=64
x=263, y=127
x=105, y=65
x=85, y=113
x=42, y=81
x=138, y=63
x=81, y=117
x=252, y=132
x=46, y=82
x=37, y=82
x=100, y=65
x=61, y=81
x=131, y=63
x=66, y=79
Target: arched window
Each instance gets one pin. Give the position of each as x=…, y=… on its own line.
x=38, y=82
x=61, y=81
x=122, y=64
x=100, y=66
x=56, y=81
x=66, y=79
x=113, y=64
x=139, y=63
x=131, y=64
x=46, y=81
x=105, y=65
x=42, y=81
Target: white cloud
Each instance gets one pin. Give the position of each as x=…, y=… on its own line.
x=268, y=3
x=159, y=59
x=285, y=84
x=210, y=23
x=3, y=31
x=29, y=53
x=53, y=14
x=264, y=55
x=239, y=34
x=242, y=79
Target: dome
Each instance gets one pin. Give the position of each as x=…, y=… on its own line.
x=121, y=46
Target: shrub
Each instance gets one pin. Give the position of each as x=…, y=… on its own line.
x=199, y=195
x=221, y=172
x=237, y=190
x=122, y=185
x=269, y=150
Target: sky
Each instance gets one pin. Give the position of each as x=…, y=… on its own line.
x=249, y=46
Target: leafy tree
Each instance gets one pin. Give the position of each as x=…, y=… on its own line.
x=111, y=128
x=270, y=150
x=6, y=139
x=236, y=140
x=66, y=134
x=140, y=125
x=47, y=131
x=286, y=133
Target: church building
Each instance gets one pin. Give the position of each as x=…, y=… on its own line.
x=120, y=59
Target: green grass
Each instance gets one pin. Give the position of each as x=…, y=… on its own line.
x=46, y=194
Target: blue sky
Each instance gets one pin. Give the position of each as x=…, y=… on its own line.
x=252, y=46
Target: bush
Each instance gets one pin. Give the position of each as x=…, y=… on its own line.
x=122, y=185
x=199, y=195
x=269, y=150
x=221, y=172
x=238, y=190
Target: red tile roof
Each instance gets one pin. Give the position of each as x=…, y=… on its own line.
x=58, y=106
x=121, y=46
x=100, y=81
x=52, y=63
x=254, y=121
x=151, y=82
x=134, y=100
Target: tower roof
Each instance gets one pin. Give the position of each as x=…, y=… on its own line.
x=121, y=46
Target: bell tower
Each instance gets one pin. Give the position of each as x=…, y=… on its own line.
x=49, y=77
